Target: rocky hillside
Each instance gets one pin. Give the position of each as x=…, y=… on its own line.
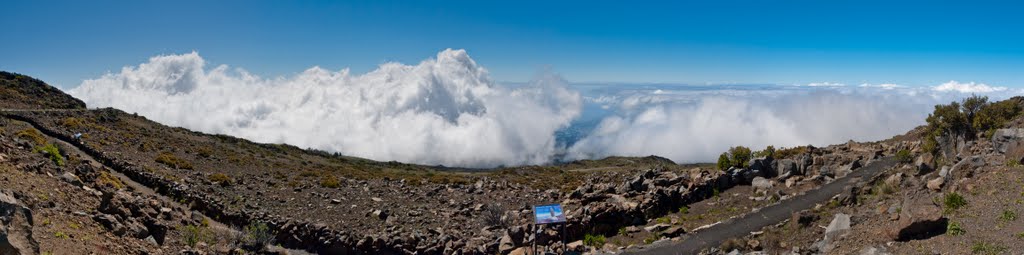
x=23, y=92
x=104, y=181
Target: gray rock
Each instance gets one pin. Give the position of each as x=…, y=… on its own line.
x=15, y=227
x=673, y=231
x=761, y=184
x=71, y=178
x=918, y=220
x=944, y=172
x=763, y=165
x=787, y=167
x=839, y=226
x=657, y=227
x=1004, y=138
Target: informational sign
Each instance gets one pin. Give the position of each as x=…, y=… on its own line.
x=545, y=214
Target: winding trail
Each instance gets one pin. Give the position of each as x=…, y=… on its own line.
x=755, y=221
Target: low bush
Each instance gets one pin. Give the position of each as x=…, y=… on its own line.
x=222, y=179
x=953, y=201
x=168, y=159
x=53, y=153
x=193, y=235
x=32, y=135
x=593, y=240
x=258, y=235
x=329, y=181
x=987, y=248
x=954, y=229
x=903, y=156
x=1008, y=216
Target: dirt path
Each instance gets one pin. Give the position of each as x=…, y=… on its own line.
x=742, y=226
x=132, y=184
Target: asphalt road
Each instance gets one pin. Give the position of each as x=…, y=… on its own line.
x=751, y=222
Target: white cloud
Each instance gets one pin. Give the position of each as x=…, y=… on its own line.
x=825, y=84
x=442, y=111
x=446, y=110
x=882, y=86
x=970, y=87
x=699, y=131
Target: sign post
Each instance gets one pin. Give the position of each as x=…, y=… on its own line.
x=548, y=214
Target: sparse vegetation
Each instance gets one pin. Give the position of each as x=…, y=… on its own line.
x=954, y=229
x=1008, y=215
x=329, y=181
x=258, y=235
x=684, y=210
x=109, y=180
x=193, y=235
x=168, y=159
x=953, y=201
x=903, y=156
x=222, y=179
x=53, y=153
x=986, y=248
x=790, y=152
x=593, y=240
x=664, y=220
x=652, y=238
x=32, y=135
x=492, y=215
x=60, y=235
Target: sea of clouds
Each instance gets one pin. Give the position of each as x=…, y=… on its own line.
x=447, y=111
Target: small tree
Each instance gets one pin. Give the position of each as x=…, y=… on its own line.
x=740, y=156
x=723, y=161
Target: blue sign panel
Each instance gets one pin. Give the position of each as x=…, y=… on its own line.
x=544, y=214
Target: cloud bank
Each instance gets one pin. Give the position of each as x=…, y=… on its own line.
x=444, y=110
x=447, y=111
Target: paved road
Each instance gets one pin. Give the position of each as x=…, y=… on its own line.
x=742, y=226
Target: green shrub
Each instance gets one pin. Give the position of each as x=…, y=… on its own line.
x=53, y=152
x=986, y=248
x=723, y=161
x=172, y=161
x=329, y=181
x=652, y=238
x=954, y=229
x=953, y=201
x=193, y=235
x=903, y=156
x=258, y=235
x=1008, y=215
x=594, y=240
x=32, y=135
x=684, y=210
x=767, y=152
x=222, y=179
x=740, y=156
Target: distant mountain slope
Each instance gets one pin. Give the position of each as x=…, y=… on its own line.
x=23, y=92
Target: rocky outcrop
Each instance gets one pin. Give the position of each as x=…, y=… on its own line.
x=1004, y=139
x=918, y=220
x=15, y=227
x=127, y=215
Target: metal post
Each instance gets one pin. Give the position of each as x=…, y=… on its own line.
x=565, y=246
x=534, y=239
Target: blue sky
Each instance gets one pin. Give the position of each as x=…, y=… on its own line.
x=783, y=42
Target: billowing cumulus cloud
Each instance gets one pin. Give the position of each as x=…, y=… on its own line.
x=444, y=110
